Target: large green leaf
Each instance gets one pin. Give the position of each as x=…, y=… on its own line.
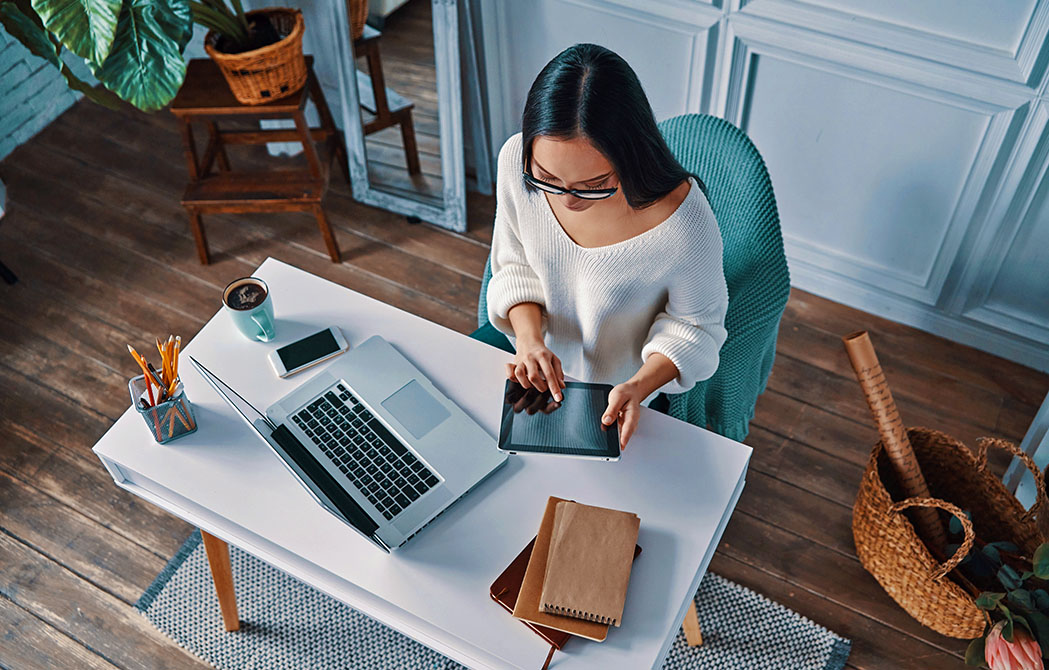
x=96, y=93
x=28, y=30
x=178, y=22
x=145, y=66
x=85, y=27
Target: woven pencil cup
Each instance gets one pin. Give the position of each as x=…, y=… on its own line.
x=890, y=549
x=270, y=72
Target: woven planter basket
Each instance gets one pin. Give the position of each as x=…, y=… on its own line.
x=889, y=547
x=357, y=10
x=270, y=72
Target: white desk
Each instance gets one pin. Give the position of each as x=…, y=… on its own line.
x=682, y=481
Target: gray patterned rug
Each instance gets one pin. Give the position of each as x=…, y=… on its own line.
x=288, y=625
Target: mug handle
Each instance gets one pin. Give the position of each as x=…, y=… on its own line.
x=266, y=331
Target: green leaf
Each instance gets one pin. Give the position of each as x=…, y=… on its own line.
x=1041, y=599
x=1021, y=598
x=1005, y=546
x=991, y=552
x=95, y=93
x=1040, y=622
x=1007, y=629
x=1040, y=563
x=988, y=600
x=145, y=66
x=29, y=30
x=85, y=27
x=1019, y=619
x=177, y=22
x=974, y=653
x=1009, y=578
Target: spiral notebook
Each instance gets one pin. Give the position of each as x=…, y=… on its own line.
x=588, y=568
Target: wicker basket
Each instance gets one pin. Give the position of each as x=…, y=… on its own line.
x=270, y=72
x=889, y=547
x=357, y=10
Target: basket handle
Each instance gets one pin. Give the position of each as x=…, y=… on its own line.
x=1039, y=479
x=967, y=528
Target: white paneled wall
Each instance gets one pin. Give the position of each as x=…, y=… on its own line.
x=908, y=140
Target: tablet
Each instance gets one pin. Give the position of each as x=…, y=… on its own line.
x=532, y=422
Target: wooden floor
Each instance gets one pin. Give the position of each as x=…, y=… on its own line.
x=105, y=258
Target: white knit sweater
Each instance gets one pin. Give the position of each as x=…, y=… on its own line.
x=606, y=309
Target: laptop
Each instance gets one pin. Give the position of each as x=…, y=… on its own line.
x=374, y=442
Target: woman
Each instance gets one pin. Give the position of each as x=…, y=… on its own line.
x=606, y=258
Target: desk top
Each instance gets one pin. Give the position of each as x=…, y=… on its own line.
x=681, y=480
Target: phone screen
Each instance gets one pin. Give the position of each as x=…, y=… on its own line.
x=307, y=350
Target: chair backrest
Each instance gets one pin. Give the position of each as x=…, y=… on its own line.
x=740, y=193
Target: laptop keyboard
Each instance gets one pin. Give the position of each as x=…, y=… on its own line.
x=379, y=465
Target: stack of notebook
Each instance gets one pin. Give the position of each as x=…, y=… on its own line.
x=577, y=572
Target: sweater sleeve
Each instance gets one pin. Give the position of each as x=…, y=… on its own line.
x=691, y=328
x=513, y=279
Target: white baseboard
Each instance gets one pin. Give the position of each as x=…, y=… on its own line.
x=918, y=315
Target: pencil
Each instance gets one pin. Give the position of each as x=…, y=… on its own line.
x=178, y=349
x=145, y=372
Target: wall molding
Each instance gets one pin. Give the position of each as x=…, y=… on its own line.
x=838, y=288
x=1023, y=65
x=752, y=43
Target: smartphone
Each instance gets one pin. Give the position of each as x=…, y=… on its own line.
x=307, y=352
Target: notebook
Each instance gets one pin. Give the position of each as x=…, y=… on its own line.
x=527, y=606
x=507, y=586
x=588, y=567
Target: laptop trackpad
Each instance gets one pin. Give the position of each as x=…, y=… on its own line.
x=415, y=409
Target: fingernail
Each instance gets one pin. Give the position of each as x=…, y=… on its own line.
x=557, y=397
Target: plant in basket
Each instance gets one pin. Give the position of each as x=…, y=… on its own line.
x=259, y=52
x=1015, y=598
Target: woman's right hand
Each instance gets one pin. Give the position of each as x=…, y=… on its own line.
x=536, y=366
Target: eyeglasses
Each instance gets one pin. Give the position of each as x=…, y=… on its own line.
x=590, y=194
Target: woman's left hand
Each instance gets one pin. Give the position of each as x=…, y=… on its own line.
x=624, y=404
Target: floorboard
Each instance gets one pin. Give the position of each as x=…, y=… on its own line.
x=102, y=248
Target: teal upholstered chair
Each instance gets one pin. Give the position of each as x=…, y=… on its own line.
x=740, y=194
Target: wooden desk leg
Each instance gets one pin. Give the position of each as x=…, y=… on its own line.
x=198, y=235
x=222, y=573
x=693, y=635
x=329, y=237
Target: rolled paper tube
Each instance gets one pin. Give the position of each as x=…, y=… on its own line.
x=894, y=436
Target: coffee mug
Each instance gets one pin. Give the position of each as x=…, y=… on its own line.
x=249, y=305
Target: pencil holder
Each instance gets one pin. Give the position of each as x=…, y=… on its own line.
x=167, y=420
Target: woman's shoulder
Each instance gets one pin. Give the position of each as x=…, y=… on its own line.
x=510, y=153
x=698, y=227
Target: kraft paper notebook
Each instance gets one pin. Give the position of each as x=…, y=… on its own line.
x=588, y=568
x=527, y=606
x=507, y=586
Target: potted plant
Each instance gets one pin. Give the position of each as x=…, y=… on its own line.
x=134, y=48
x=259, y=52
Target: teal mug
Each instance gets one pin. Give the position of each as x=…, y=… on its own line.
x=248, y=302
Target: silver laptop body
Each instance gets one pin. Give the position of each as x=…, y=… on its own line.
x=374, y=442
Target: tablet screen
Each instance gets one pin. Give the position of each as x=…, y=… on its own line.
x=533, y=422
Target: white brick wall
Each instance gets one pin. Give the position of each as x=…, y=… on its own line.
x=32, y=93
